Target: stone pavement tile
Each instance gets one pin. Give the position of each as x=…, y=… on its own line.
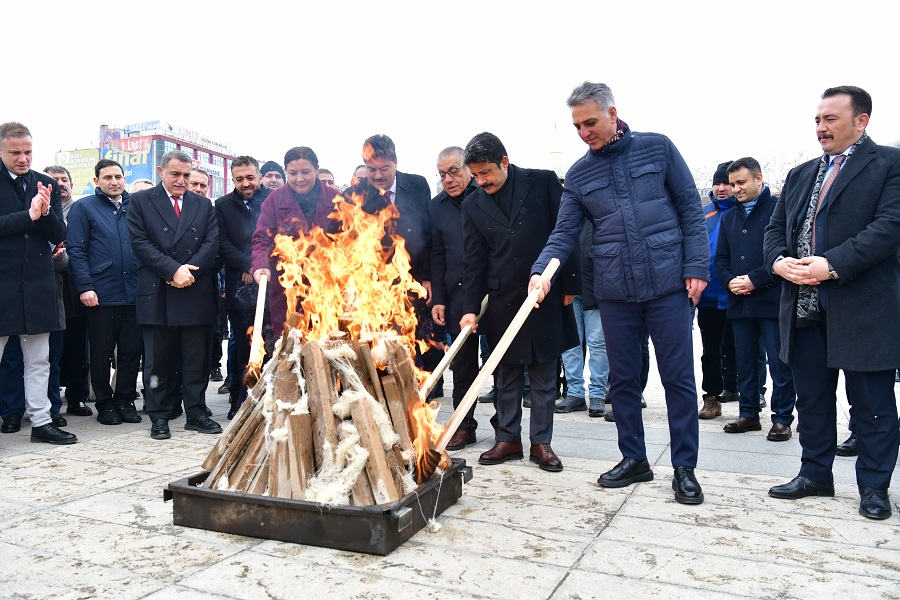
x=140, y=512
x=727, y=508
x=157, y=555
x=41, y=491
x=686, y=562
x=571, y=516
x=769, y=550
x=31, y=573
x=153, y=460
x=587, y=585
x=183, y=593
x=196, y=447
x=92, y=474
x=251, y=575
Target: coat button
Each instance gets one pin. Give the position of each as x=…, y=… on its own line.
x=744, y=231
x=26, y=236
x=165, y=230
x=190, y=251
x=742, y=258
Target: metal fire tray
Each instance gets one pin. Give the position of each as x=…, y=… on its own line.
x=376, y=529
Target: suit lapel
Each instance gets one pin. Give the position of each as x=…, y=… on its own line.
x=491, y=208
x=522, y=189
x=855, y=165
x=190, y=205
x=163, y=204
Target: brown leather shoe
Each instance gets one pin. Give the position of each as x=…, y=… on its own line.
x=500, y=453
x=545, y=457
x=743, y=425
x=79, y=410
x=712, y=408
x=461, y=439
x=779, y=433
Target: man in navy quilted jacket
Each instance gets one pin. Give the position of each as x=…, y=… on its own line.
x=651, y=263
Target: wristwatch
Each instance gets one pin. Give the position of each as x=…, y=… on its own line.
x=832, y=274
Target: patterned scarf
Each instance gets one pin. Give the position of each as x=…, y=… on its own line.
x=808, y=310
x=621, y=128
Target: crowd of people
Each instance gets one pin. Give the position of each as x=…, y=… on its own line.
x=121, y=284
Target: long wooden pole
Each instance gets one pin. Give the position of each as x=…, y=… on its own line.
x=493, y=360
x=450, y=355
x=257, y=341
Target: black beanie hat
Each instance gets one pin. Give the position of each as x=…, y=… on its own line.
x=721, y=175
x=271, y=166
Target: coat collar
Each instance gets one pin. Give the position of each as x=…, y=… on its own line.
x=522, y=183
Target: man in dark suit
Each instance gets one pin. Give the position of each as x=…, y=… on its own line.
x=237, y=214
x=753, y=301
x=30, y=226
x=383, y=186
x=447, y=278
x=175, y=237
x=834, y=239
x=505, y=224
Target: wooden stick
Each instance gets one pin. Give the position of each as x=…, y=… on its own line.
x=493, y=360
x=449, y=355
x=256, y=351
x=377, y=468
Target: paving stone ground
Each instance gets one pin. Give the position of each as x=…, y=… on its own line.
x=89, y=521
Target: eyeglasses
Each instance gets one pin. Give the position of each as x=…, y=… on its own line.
x=452, y=172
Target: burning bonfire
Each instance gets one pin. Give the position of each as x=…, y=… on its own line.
x=336, y=416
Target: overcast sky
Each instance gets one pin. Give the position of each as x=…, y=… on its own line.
x=722, y=80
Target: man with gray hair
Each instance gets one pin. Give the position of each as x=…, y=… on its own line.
x=651, y=262
x=175, y=237
x=447, y=275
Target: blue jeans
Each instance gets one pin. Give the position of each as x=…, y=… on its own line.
x=590, y=331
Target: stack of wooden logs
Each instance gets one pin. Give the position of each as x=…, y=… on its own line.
x=325, y=423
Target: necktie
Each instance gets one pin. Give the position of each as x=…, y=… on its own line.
x=826, y=185
x=390, y=196
x=247, y=204
x=838, y=160
x=21, y=187
x=175, y=199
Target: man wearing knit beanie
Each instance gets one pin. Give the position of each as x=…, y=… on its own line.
x=272, y=175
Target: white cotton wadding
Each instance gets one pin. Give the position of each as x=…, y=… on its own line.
x=222, y=484
x=332, y=484
x=408, y=481
x=433, y=526
x=279, y=435
x=380, y=352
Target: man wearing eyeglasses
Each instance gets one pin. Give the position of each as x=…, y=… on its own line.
x=447, y=275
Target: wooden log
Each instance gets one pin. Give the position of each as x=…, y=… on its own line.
x=361, y=494
x=322, y=396
x=258, y=484
x=396, y=409
x=380, y=477
x=365, y=352
x=493, y=360
x=279, y=461
x=301, y=453
x=246, y=468
x=238, y=445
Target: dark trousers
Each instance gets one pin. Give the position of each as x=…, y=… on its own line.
x=750, y=337
x=465, y=370
x=73, y=367
x=194, y=367
x=220, y=329
x=241, y=321
x=874, y=413
x=667, y=319
x=114, y=329
x=509, y=381
x=718, y=359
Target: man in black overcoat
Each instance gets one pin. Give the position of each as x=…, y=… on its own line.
x=505, y=225
x=175, y=237
x=834, y=239
x=31, y=225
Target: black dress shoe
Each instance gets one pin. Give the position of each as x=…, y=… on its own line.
x=231, y=413
x=160, y=430
x=461, y=439
x=107, y=415
x=687, y=489
x=49, y=434
x=762, y=401
x=437, y=392
x=545, y=457
x=202, y=424
x=486, y=398
x=79, y=410
x=743, y=425
x=58, y=420
x=526, y=399
x=801, y=487
x=215, y=374
x=225, y=388
x=500, y=453
x=729, y=396
x=628, y=471
x=874, y=503
x=850, y=447
x=12, y=424
x=128, y=413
